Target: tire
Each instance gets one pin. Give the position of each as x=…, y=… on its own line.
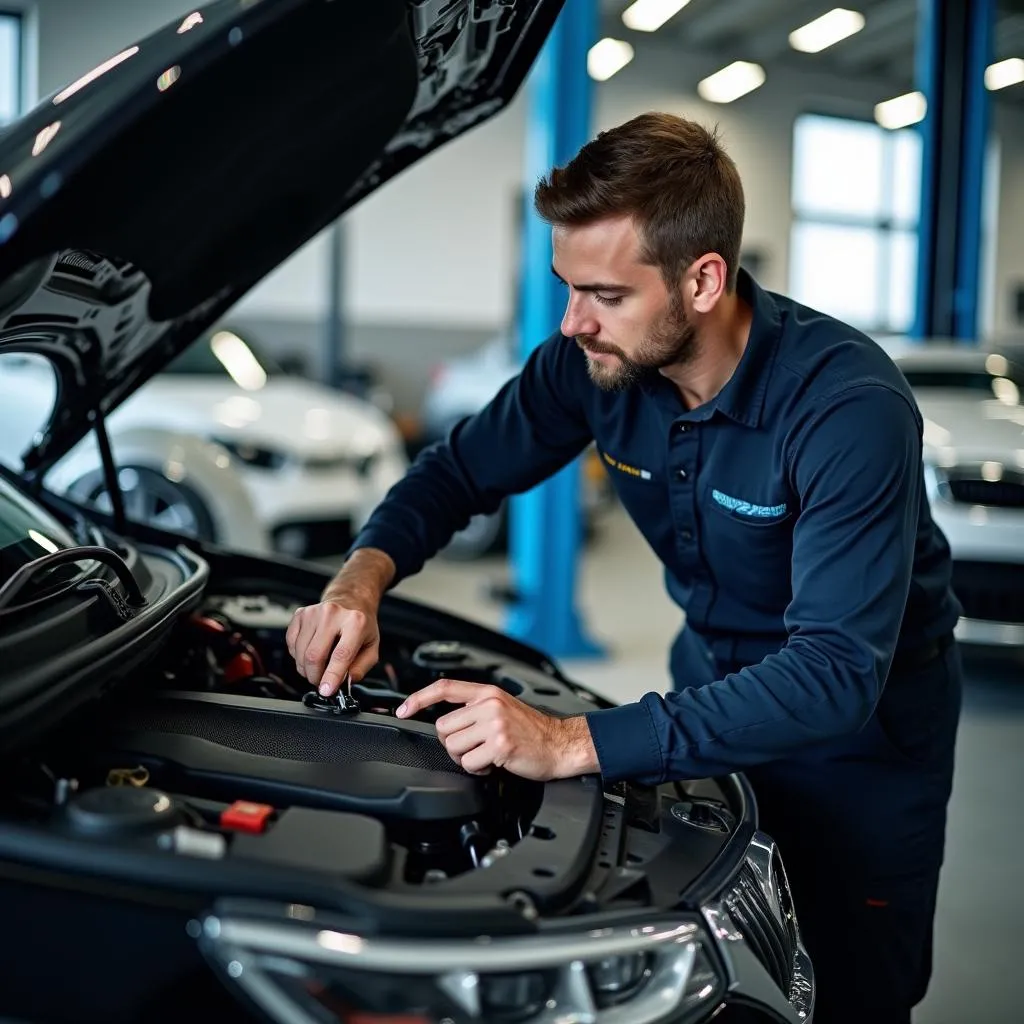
x=150, y=498
x=485, y=535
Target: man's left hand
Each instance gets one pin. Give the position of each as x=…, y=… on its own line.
x=495, y=730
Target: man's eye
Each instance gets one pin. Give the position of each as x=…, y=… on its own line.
x=608, y=300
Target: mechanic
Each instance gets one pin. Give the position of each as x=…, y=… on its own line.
x=771, y=456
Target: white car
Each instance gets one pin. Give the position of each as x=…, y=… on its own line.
x=225, y=446
x=974, y=469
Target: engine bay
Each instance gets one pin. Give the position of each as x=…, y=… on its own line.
x=216, y=752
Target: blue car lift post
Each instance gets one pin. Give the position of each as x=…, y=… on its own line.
x=545, y=523
x=954, y=46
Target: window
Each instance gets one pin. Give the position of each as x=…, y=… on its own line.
x=853, y=245
x=10, y=66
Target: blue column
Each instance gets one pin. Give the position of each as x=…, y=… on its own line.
x=954, y=47
x=545, y=523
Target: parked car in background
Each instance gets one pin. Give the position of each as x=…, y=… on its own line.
x=461, y=386
x=225, y=446
x=970, y=398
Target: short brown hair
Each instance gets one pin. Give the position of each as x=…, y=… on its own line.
x=671, y=175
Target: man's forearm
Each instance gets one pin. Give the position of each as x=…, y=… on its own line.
x=365, y=576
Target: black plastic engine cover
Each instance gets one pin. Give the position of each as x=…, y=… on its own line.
x=281, y=752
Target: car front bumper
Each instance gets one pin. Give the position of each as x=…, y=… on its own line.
x=304, y=507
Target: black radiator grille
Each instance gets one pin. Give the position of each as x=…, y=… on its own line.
x=308, y=738
x=994, y=493
x=772, y=941
x=990, y=591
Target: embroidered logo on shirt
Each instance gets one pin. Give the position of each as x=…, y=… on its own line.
x=746, y=508
x=622, y=467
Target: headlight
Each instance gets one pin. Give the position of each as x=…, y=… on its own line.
x=253, y=455
x=299, y=972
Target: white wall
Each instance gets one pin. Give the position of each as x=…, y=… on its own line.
x=436, y=246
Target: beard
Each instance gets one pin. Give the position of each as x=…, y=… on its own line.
x=672, y=341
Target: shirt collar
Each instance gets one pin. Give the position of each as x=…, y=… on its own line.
x=742, y=399
x=743, y=396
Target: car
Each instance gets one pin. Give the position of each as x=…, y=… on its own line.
x=225, y=445
x=186, y=827
x=970, y=398
x=463, y=385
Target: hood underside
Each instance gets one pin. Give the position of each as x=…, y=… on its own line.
x=141, y=202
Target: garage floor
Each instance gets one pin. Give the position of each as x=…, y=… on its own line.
x=980, y=927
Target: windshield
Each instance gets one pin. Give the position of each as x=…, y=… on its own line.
x=27, y=532
x=226, y=353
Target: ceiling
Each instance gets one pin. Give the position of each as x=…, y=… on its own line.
x=758, y=30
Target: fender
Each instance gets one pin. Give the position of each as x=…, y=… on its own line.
x=203, y=466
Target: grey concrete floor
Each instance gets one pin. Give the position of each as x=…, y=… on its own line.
x=980, y=923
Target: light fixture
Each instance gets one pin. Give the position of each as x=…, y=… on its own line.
x=1004, y=73
x=650, y=15
x=826, y=31
x=6, y=188
x=901, y=111
x=732, y=82
x=607, y=57
x=237, y=358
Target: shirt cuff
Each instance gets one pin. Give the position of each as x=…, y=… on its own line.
x=626, y=742
x=407, y=560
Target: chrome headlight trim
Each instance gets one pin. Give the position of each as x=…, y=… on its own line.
x=250, y=950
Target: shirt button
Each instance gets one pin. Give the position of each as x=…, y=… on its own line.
x=683, y=427
x=682, y=474
x=686, y=535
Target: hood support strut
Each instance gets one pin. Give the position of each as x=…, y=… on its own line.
x=109, y=469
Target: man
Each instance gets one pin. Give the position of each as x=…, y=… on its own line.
x=772, y=458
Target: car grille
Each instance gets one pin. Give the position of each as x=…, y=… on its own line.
x=990, y=591
x=994, y=493
x=315, y=538
x=772, y=939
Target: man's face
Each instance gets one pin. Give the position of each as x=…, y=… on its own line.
x=619, y=311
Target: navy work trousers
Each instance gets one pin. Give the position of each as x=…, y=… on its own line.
x=861, y=826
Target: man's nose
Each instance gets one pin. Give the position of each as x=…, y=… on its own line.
x=577, y=320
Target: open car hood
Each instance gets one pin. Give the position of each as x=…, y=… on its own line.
x=138, y=204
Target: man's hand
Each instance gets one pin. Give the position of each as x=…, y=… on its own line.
x=496, y=730
x=339, y=636
x=330, y=640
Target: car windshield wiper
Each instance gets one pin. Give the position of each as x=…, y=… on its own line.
x=23, y=575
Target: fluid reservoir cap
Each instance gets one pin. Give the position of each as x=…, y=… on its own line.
x=120, y=810
x=441, y=652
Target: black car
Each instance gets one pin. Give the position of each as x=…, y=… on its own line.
x=186, y=830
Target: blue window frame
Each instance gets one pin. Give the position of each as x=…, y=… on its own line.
x=11, y=67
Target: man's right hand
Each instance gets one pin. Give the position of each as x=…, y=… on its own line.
x=339, y=636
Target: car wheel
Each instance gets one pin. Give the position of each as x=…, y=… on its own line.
x=485, y=535
x=150, y=498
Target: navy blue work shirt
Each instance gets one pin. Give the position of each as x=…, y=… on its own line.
x=789, y=512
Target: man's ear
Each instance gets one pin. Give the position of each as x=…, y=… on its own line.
x=708, y=277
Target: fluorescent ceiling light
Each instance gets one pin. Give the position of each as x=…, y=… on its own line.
x=650, y=15
x=1004, y=73
x=901, y=111
x=606, y=57
x=731, y=82
x=827, y=30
